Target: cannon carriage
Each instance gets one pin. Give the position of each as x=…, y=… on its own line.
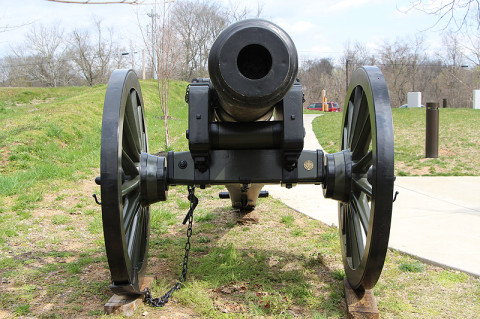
x=245, y=131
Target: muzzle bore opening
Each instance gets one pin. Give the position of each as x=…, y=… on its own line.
x=254, y=61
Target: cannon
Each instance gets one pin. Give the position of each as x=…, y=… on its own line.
x=245, y=130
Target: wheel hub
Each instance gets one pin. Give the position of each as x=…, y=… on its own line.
x=338, y=176
x=153, y=179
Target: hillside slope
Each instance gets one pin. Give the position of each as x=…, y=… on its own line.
x=52, y=135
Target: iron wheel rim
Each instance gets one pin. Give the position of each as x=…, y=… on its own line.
x=125, y=219
x=364, y=220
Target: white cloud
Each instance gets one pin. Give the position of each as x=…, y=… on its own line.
x=301, y=27
x=345, y=5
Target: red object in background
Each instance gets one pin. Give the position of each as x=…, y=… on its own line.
x=317, y=106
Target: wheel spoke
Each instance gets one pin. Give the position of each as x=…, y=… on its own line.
x=130, y=208
x=355, y=247
x=134, y=107
x=128, y=165
x=131, y=119
x=132, y=234
x=345, y=138
x=357, y=99
x=348, y=137
x=361, y=207
x=364, y=145
x=342, y=218
x=357, y=233
x=129, y=143
x=363, y=164
x=363, y=185
x=138, y=116
x=130, y=185
x=358, y=96
x=137, y=241
x=346, y=232
x=361, y=131
x=144, y=142
x=140, y=125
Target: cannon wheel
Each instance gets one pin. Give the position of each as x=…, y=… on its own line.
x=125, y=219
x=364, y=219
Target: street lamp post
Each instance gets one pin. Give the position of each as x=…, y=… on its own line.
x=153, y=16
x=347, y=62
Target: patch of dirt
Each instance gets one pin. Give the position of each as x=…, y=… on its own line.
x=4, y=153
x=37, y=102
x=445, y=152
x=248, y=217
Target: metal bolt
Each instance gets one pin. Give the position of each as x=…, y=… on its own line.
x=182, y=164
x=198, y=116
x=292, y=116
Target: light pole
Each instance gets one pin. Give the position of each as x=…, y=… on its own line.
x=347, y=62
x=132, y=59
x=153, y=15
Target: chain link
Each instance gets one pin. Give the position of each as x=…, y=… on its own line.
x=160, y=302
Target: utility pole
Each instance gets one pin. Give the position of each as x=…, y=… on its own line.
x=154, y=57
x=143, y=64
x=346, y=75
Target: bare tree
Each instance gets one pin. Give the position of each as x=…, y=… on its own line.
x=43, y=57
x=400, y=62
x=237, y=12
x=198, y=23
x=5, y=26
x=355, y=56
x=457, y=13
x=468, y=43
x=452, y=80
x=164, y=54
x=93, y=55
x=319, y=75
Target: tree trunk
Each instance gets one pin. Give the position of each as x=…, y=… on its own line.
x=163, y=95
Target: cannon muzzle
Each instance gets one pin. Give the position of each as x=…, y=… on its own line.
x=252, y=65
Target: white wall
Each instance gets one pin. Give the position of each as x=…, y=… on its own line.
x=476, y=99
x=414, y=99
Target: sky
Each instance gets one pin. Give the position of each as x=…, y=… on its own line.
x=319, y=28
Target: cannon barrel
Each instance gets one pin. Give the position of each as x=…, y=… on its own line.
x=252, y=65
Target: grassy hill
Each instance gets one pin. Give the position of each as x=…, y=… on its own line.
x=54, y=134
x=52, y=256
x=459, y=140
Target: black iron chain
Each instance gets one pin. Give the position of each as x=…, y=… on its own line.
x=160, y=302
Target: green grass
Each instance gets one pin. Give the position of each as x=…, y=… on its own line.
x=327, y=130
x=61, y=220
x=45, y=135
x=411, y=267
x=288, y=220
x=458, y=152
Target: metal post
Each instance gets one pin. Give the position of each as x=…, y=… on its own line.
x=346, y=75
x=444, y=103
x=143, y=64
x=431, y=138
x=154, y=58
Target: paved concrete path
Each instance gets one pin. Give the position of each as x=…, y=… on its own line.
x=434, y=218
